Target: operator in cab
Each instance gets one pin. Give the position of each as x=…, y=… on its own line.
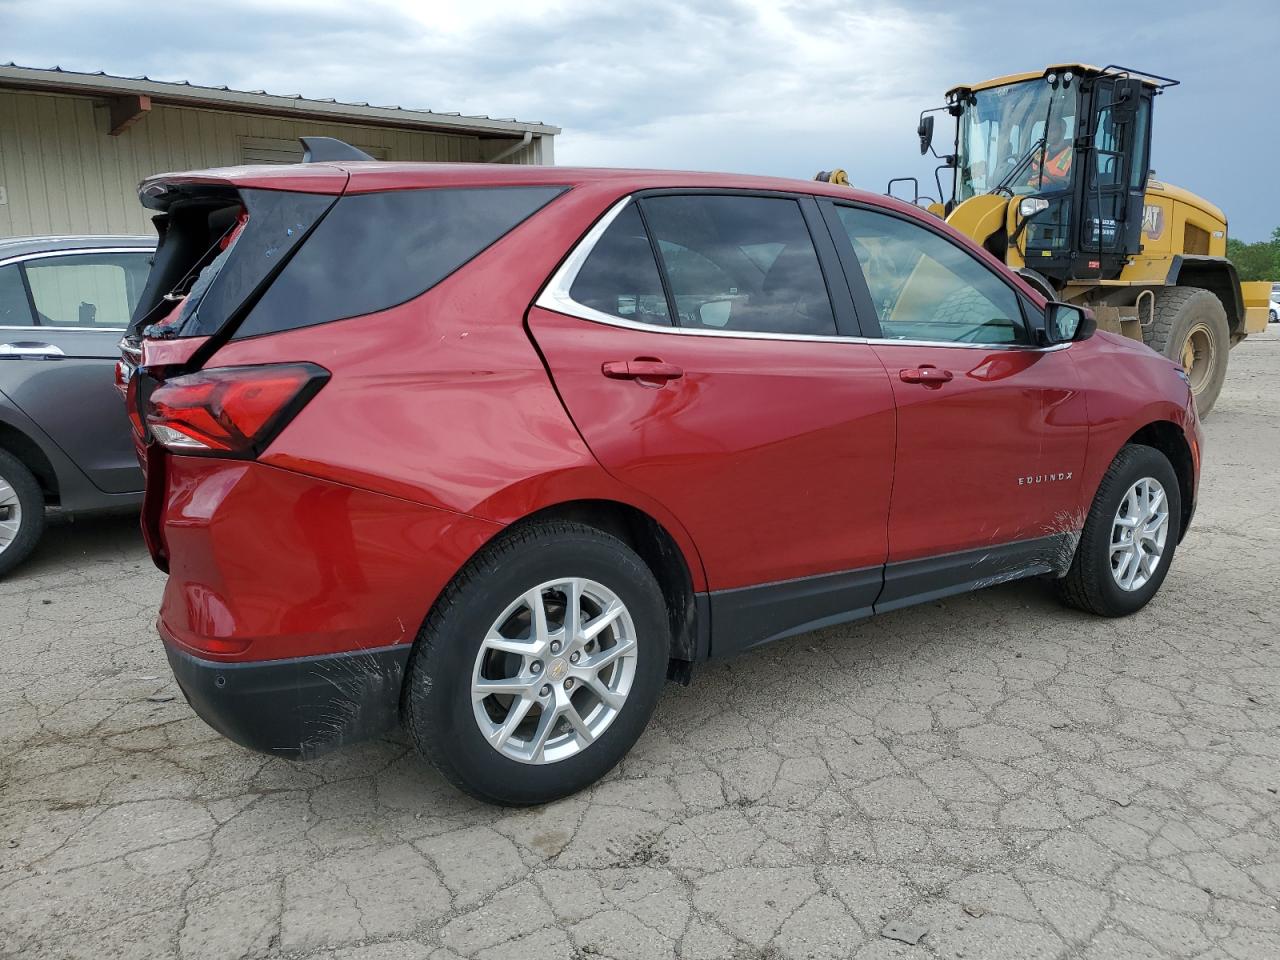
x=1053, y=167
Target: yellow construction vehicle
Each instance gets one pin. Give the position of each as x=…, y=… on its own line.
x=1050, y=172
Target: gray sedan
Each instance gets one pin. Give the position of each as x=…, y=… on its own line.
x=64, y=434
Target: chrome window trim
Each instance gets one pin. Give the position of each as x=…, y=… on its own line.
x=80, y=251
x=555, y=297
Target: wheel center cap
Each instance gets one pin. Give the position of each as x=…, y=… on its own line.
x=557, y=670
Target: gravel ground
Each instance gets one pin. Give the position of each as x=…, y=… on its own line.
x=993, y=775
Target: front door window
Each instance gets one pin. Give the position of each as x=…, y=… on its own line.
x=926, y=288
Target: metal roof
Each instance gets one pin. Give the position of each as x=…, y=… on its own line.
x=185, y=93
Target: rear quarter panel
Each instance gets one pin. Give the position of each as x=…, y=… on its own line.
x=444, y=400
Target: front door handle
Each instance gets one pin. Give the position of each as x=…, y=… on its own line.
x=31, y=349
x=648, y=370
x=929, y=376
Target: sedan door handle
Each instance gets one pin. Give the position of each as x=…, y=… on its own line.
x=31, y=349
x=929, y=376
x=644, y=369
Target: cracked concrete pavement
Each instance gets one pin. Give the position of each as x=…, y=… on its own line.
x=1016, y=779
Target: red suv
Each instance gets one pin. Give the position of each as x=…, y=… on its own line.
x=493, y=450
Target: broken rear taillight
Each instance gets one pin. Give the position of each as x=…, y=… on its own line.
x=230, y=411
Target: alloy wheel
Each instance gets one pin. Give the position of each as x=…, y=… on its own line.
x=10, y=514
x=1138, y=534
x=554, y=670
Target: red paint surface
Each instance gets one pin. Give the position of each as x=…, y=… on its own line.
x=766, y=460
x=266, y=564
x=776, y=456
x=974, y=452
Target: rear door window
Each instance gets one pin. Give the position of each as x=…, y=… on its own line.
x=620, y=276
x=87, y=289
x=740, y=263
x=15, y=309
x=374, y=251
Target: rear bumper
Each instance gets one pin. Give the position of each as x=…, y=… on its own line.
x=298, y=708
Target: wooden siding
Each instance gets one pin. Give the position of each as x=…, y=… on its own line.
x=62, y=174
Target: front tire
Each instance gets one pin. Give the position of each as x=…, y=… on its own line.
x=539, y=666
x=21, y=512
x=1129, y=536
x=1190, y=328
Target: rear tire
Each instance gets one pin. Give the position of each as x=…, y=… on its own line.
x=1092, y=583
x=483, y=631
x=1190, y=328
x=21, y=512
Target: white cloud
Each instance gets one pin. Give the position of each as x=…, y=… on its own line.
x=767, y=87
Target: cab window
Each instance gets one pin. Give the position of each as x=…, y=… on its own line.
x=924, y=287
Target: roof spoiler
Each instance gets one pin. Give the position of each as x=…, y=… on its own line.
x=329, y=150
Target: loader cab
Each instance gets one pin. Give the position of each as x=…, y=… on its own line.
x=1071, y=148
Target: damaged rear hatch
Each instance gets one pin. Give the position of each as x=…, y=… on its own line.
x=224, y=235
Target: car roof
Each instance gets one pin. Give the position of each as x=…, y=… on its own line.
x=21, y=246
x=379, y=175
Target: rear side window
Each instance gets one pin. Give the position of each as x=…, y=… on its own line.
x=374, y=251
x=741, y=263
x=620, y=276
x=15, y=311
x=88, y=289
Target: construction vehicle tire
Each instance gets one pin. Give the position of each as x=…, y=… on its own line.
x=1190, y=328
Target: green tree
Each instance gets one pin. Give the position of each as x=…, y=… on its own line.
x=1256, y=261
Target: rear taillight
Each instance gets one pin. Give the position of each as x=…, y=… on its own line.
x=230, y=411
x=131, y=404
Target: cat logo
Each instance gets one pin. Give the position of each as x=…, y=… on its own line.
x=1153, y=221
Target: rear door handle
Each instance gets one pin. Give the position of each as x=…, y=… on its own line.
x=929, y=376
x=31, y=349
x=643, y=369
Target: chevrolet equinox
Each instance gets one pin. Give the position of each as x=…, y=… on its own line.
x=491, y=451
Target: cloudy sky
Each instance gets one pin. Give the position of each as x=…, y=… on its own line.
x=745, y=85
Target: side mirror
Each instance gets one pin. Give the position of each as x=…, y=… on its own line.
x=925, y=132
x=1124, y=105
x=715, y=313
x=1028, y=207
x=1064, y=323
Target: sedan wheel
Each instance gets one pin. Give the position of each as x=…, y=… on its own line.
x=21, y=512
x=10, y=514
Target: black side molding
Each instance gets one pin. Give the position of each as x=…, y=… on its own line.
x=909, y=582
x=750, y=616
x=329, y=149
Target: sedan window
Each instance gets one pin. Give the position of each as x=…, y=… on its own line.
x=924, y=287
x=88, y=289
x=739, y=263
x=15, y=311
